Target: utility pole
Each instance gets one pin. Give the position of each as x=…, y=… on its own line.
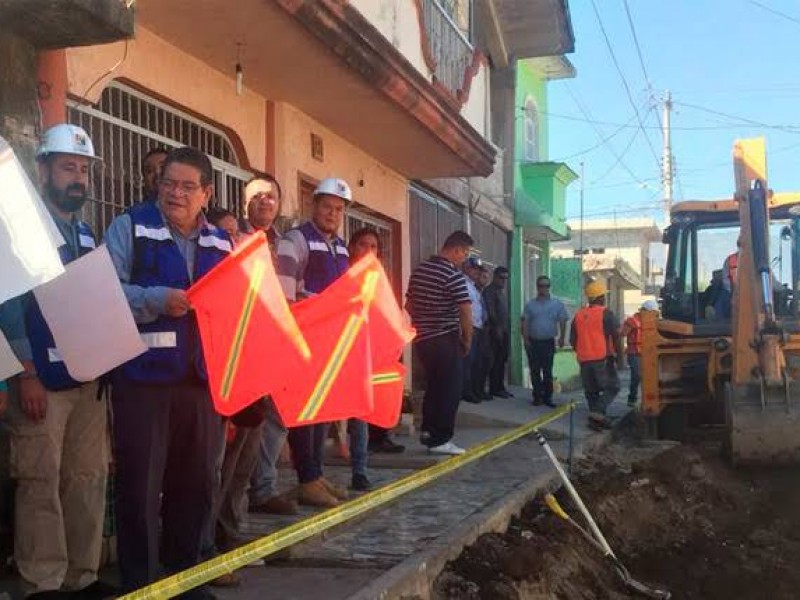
x=666, y=161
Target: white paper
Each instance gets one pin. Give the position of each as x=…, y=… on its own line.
x=29, y=239
x=9, y=365
x=89, y=316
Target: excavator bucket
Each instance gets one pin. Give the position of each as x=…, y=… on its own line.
x=763, y=424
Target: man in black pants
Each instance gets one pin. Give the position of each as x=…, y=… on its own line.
x=441, y=311
x=497, y=331
x=544, y=317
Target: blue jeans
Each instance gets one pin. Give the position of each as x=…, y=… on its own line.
x=359, y=438
x=634, y=361
x=265, y=475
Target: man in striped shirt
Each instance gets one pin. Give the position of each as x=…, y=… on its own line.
x=440, y=308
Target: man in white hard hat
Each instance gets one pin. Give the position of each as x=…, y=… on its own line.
x=632, y=332
x=310, y=258
x=58, y=425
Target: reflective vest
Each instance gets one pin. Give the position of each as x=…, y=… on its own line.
x=634, y=337
x=325, y=262
x=50, y=366
x=591, y=343
x=174, y=351
x=733, y=267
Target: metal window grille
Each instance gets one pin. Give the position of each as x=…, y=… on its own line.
x=124, y=126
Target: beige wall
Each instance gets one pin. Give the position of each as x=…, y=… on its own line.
x=399, y=22
x=164, y=69
x=384, y=190
x=476, y=108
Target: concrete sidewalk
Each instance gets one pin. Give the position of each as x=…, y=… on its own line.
x=397, y=550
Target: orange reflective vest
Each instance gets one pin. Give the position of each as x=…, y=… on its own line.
x=591, y=343
x=733, y=266
x=633, y=338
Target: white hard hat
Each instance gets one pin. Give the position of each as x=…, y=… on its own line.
x=334, y=187
x=66, y=139
x=650, y=305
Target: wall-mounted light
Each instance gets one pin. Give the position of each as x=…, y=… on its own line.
x=239, y=70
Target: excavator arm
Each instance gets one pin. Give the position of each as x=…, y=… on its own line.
x=762, y=414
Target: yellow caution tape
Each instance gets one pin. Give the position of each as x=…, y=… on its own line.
x=302, y=530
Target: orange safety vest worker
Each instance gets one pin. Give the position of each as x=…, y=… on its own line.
x=733, y=265
x=591, y=343
x=633, y=334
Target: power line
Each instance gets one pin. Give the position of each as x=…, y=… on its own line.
x=785, y=128
x=600, y=135
x=641, y=56
x=619, y=158
x=775, y=11
x=624, y=82
x=600, y=143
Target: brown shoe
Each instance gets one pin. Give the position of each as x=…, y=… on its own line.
x=228, y=580
x=275, y=505
x=335, y=491
x=316, y=494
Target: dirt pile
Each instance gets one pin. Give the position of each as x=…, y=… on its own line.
x=680, y=517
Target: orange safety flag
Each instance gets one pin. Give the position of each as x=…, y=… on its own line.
x=251, y=341
x=387, y=396
x=352, y=325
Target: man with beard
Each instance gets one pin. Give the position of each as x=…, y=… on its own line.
x=58, y=425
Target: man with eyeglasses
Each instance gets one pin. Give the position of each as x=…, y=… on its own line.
x=166, y=432
x=543, y=318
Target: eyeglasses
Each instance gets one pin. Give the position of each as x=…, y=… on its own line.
x=263, y=196
x=184, y=187
x=543, y=285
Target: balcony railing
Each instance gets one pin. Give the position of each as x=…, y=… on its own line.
x=451, y=50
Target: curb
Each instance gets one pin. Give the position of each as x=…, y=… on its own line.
x=413, y=577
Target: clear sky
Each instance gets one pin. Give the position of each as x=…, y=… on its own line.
x=736, y=57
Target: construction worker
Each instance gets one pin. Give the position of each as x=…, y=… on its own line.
x=166, y=432
x=596, y=340
x=632, y=333
x=730, y=268
x=59, y=444
x=310, y=258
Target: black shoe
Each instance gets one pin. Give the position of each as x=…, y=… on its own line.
x=484, y=396
x=549, y=402
x=97, y=591
x=386, y=446
x=503, y=394
x=472, y=399
x=537, y=402
x=360, y=483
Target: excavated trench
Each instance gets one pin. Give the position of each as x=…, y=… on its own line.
x=676, y=515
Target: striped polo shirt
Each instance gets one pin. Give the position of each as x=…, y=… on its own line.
x=435, y=290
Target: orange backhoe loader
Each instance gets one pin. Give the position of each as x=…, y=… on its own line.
x=729, y=355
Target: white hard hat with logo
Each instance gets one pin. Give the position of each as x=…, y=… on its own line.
x=334, y=187
x=66, y=139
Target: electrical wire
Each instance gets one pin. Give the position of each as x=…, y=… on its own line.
x=775, y=11
x=602, y=141
x=85, y=97
x=793, y=129
x=624, y=82
x=600, y=134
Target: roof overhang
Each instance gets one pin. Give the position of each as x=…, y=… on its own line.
x=67, y=23
x=329, y=61
x=533, y=28
x=553, y=67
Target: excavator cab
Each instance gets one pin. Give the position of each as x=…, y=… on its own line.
x=725, y=350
